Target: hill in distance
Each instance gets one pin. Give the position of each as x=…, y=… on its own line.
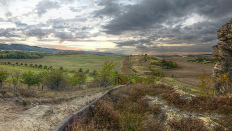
x=22, y=47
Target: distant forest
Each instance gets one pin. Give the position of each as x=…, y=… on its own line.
x=20, y=55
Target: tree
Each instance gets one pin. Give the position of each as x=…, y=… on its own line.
x=78, y=78
x=94, y=73
x=3, y=76
x=15, y=79
x=80, y=70
x=40, y=66
x=56, y=80
x=107, y=73
x=87, y=71
x=61, y=68
x=30, y=78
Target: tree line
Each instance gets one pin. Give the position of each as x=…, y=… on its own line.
x=20, y=55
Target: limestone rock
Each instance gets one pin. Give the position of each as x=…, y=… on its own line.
x=223, y=51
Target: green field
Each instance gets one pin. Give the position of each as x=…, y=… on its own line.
x=70, y=62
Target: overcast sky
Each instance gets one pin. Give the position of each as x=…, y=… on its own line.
x=118, y=26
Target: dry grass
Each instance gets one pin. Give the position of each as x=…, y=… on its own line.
x=187, y=124
x=126, y=109
x=221, y=105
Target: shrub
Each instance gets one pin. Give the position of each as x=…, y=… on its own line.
x=3, y=76
x=61, y=68
x=40, y=66
x=30, y=78
x=26, y=93
x=78, y=78
x=206, y=85
x=187, y=124
x=56, y=80
x=106, y=74
x=106, y=116
x=80, y=70
x=165, y=64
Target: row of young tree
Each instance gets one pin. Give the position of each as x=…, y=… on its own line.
x=20, y=55
x=58, y=79
x=54, y=79
x=39, y=66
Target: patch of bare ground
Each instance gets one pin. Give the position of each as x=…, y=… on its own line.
x=187, y=72
x=44, y=116
x=125, y=68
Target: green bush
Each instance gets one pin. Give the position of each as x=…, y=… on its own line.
x=165, y=64
x=56, y=80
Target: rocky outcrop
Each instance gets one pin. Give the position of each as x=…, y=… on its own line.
x=223, y=51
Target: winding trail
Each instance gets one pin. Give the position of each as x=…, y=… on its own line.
x=125, y=68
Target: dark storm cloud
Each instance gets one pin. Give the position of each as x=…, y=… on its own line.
x=192, y=48
x=43, y=6
x=110, y=9
x=164, y=19
x=151, y=12
x=133, y=42
x=146, y=14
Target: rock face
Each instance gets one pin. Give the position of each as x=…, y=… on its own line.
x=223, y=51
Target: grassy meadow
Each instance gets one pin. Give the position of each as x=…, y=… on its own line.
x=70, y=62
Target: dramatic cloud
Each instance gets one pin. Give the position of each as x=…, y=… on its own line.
x=45, y=5
x=110, y=9
x=125, y=25
x=10, y=32
x=39, y=33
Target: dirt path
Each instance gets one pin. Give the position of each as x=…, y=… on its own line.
x=40, y=117
x=125, y=68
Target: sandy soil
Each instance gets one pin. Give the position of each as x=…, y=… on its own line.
x=14, y=117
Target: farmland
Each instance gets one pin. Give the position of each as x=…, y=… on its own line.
x=70, y=62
